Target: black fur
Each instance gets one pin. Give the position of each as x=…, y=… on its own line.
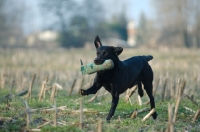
x=124, y=75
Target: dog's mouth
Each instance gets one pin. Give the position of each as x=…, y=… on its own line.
x=99, y=61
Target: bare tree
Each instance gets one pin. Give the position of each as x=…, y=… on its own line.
x=176, y=20
x=11, y=32
x=3, y=25
x=93, y=12
x=60, y=10
x=73, y=19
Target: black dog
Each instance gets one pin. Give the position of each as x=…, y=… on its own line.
x=124, y=75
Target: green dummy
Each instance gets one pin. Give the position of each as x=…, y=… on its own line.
x=92, y=68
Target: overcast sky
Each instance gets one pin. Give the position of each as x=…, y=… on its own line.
x=133, y=9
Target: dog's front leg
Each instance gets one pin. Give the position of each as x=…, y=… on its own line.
x=92, y=90
x=115, y=100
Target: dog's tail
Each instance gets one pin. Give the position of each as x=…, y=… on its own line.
x=149, y=57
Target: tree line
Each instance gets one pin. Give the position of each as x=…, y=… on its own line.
x=177, y=23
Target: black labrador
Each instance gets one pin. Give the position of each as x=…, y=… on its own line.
x=125, y=74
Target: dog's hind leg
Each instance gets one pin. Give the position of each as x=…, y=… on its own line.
x=148, y=89
x=152, y=102
x=147, y=80
x=140, y=90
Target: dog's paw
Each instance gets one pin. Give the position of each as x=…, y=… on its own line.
x=83, y=92
x=108, y=120
x=154, y=115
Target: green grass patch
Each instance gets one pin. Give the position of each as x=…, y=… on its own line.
x=96, y=110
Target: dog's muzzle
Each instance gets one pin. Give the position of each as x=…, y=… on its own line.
x=98, y=61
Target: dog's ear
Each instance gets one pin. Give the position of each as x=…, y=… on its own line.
x=97, y=42
x=118, y=50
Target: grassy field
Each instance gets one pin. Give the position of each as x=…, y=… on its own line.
x=172, y=67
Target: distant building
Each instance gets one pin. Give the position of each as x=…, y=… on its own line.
x=42, y=38
x=48, y=35
x=131, y=31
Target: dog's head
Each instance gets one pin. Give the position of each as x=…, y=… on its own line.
x=106, y=52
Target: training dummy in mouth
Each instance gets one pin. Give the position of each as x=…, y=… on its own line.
x=92, y=68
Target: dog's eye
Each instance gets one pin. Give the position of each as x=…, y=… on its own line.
x=97, y=53
x=105, y=53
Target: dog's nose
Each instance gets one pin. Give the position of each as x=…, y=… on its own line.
x=96, y=61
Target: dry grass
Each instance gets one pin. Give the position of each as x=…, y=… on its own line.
x=172, y=67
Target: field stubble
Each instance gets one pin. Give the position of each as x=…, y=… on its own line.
x=172, y=68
